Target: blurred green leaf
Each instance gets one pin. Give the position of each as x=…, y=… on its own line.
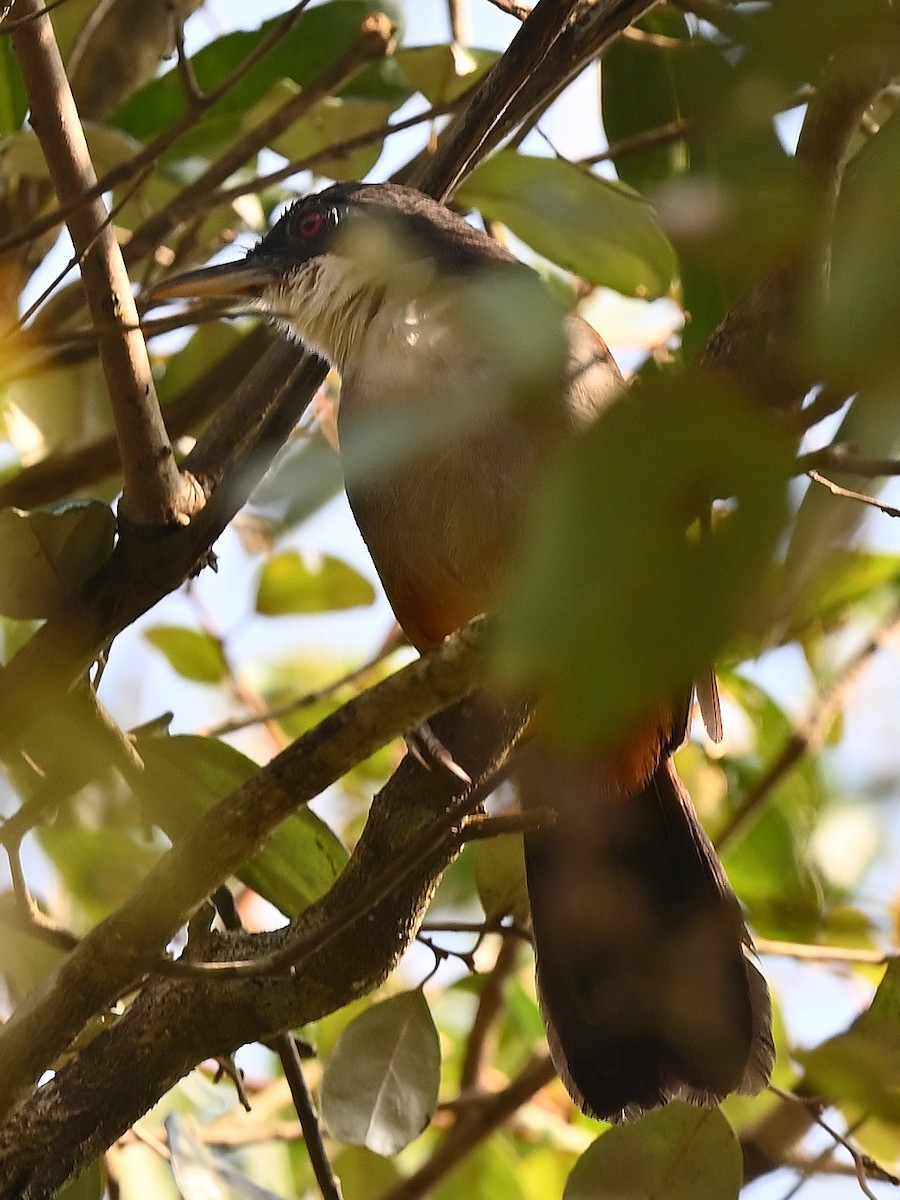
x=49, y=553
x=638, y=96
x=364, y=1174
x=13, y=104
x=861, y=1067
x=842, y=579
x=500, y=877
x=190, y=653
x=21, y=156
x=854, y=330
x=320, y=36
x=646, y=606
x=599, y=229
x=100, y=867
x=288, y=585
x=185, y=776
x=492, y=1172
x=442, y=73
x=306, y=476
x=676, y=1153
x=331, y=121
x=89, y=1185
x=770, y=865
x=380, y=1086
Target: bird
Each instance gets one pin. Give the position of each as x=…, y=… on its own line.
x=456, y=389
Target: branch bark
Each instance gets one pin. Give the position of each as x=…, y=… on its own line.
x=155, y=493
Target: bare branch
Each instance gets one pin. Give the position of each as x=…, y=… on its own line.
x=154, y=491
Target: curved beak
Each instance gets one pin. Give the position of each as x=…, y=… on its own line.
x=244, y=280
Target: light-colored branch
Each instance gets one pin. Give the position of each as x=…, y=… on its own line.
x=849, y=494
x=154, y=491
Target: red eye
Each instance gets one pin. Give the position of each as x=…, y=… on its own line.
x=309, y=224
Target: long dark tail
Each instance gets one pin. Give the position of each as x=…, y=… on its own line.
x=642, y=953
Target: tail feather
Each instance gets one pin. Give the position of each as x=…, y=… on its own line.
x=643, y=959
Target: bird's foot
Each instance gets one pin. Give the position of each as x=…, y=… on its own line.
x=427, y=748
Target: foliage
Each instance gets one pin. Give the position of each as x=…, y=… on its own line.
x=702, y=221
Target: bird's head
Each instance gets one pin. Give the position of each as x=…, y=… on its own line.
x=326, y=267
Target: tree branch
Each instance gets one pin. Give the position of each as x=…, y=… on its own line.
x=155, y=493
x=173, y=1023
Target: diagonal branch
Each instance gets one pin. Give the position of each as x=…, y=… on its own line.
x=154, y=491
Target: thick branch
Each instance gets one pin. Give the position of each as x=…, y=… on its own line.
x=119, y=950
x=175, y=1023
x=154, y=493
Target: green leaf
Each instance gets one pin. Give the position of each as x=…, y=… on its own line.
x=443, y=72
x=99, y=867
x=185, y=776
x=677, y=1153
x=320, y=36
x=380, y=1086
x=588, y=225
x=646, y=606
x=90, y=1184
x=288, y=585
x=861, y=1067
x=192, y=654
x=49, y=553
x=331, y=121
x=13, y=104
x=500, y=877
x=306, y=476
x=638, y=95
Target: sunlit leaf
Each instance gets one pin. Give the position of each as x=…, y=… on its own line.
x=331, y=121
x=190, y=652
x=599, y=229
x=676, y=1153
x=500, y=877
x=320, y=36
x=288, y=585
x=47, y=554
x=861, y=1066
x=184, y=776
x=442, y=73
x=381, y=1083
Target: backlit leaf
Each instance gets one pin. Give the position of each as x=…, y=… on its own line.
x=599, y=229
x=676, y=1153
x=192, y=654
x=288, y=585
x=47, y=554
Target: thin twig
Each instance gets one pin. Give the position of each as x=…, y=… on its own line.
x=481, y=1041
x=329, y=1184
x=849, y=494
x=824, y=954
x=805, y=738
x=291, y=707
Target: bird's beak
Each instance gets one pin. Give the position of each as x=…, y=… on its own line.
x=243, y=280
